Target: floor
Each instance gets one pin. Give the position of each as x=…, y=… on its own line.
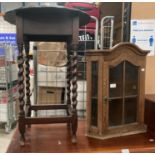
x=5, y=140
x=56, y=138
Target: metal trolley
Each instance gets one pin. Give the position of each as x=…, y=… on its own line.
x=8, y=86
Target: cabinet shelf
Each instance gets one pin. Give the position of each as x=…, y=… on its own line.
x=115, y=98
x=94, y=97
x=129, y=96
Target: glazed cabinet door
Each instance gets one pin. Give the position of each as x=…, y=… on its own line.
x=94, y=74
x=123, y=96
x=115, y=104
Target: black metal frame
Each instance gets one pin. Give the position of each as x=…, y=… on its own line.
x=126, y=21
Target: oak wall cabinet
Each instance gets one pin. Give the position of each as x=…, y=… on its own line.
x=115, y=91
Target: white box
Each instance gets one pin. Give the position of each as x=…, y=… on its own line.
x=3, y=112
x=8, y=73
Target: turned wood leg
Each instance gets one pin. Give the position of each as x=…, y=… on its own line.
x=21, y=94
x=21, y=127
x=27, y=76
x=68, y=76
x=74, y=94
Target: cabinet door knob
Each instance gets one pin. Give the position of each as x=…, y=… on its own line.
x=105, y=98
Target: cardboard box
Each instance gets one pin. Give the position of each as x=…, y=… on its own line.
x=50, y=95
x=52, y=53
x=51, y=76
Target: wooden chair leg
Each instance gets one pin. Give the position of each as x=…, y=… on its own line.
x=68, y=124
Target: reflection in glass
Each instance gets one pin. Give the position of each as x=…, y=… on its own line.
x=115, y=112
x=94, y=69
x=131, y=79
x=130, y=110
x=123, y=94
x=94, y=112
x=115, y=79
x=94, y=93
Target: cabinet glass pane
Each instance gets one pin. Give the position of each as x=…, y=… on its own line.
x=130, y=110
x=94, y=93
x=115, y=79
x=115, y=112
x=94, y=112
x=94, y=71
x=131, y=79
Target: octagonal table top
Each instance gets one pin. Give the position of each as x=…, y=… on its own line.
x=10, y=16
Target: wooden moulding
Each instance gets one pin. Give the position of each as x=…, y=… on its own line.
x=125, y=46
x=48, y=106
x=119, y=131
x=48, y=120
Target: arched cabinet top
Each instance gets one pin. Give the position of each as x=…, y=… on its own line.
x=119, y=49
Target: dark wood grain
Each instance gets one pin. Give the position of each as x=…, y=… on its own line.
x=48, y=120
x=48, y=106
x=56, y=138
x=47, y=24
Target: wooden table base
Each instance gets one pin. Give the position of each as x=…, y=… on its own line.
x=56, y=138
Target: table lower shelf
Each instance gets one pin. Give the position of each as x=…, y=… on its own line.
x=47, y=120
